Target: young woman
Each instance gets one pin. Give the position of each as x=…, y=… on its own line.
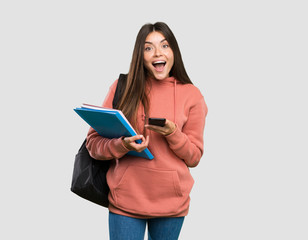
x=153, y=192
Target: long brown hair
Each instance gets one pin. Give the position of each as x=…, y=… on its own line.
x=134, y=92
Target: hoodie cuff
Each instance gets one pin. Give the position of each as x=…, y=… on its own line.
x=121, y=150
x=174, y=137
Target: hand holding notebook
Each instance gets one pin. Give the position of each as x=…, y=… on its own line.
x=111, y=123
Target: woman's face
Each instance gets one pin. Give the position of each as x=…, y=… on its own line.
x=158, y=56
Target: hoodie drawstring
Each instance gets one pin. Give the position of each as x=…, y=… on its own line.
x=174, y=117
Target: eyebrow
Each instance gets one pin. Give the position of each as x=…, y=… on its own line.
x=160, y=41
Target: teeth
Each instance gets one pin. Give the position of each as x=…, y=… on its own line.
x=159, y=62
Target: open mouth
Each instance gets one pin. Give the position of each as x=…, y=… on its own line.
x=159, y=65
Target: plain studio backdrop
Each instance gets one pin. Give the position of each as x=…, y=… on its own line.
x=249, y=59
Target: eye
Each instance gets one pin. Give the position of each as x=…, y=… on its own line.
x=165, y=46
x=148, y=48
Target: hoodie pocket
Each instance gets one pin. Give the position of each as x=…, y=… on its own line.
x=147, y=191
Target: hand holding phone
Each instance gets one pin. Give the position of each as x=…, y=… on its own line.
x=161, y=125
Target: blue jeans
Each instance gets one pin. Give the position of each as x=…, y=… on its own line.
x=128, y=228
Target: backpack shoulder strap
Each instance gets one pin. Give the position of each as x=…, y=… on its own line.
x=119, y=90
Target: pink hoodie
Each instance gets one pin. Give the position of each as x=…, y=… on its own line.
x=160, y=187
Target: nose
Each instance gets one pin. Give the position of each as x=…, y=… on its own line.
x=157, y=51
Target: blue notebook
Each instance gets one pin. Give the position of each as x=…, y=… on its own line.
x=110, y=123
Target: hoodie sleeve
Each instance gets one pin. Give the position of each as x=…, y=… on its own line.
x=102, y=148
x=188, y=143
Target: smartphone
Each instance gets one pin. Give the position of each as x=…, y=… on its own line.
x=157, y=121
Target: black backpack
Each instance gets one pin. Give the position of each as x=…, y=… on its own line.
x=89, y=175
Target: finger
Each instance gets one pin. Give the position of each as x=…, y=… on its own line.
x=133, y=138
x=154, y=128
x=145, y=143
x=160, y=130
x=140, y=147
x=142, y=138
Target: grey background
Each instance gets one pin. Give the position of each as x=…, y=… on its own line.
x=249, y=58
